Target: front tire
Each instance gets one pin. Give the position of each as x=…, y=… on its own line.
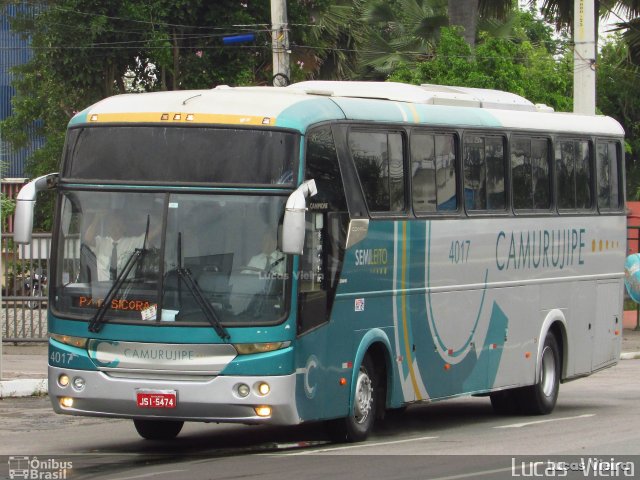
x=359, y=424
x=540, y=399
x=158, y=429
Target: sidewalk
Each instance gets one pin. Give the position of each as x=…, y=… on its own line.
x=24, y=370
x=24, y=367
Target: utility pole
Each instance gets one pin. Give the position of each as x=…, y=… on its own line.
x=280, y=43
x=584, y=57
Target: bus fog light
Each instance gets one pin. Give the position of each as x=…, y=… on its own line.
x=263, y=388
x=263, y=411
x=78, y=383
x=63, y=380
x=243, y=390
x=66, y=402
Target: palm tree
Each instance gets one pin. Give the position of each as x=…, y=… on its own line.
x=465, y=13
x=401, y=33
x=560, y=12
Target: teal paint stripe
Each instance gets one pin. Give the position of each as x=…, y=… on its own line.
x=456, y=116
x=370, y=110
x=308, y=112
x=388, y=111
x=80, y=117
x=432, y=320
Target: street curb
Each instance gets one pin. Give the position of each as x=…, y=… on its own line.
x=24, y=387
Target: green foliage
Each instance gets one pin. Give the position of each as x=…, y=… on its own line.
x=498, y=63
x=617, y=80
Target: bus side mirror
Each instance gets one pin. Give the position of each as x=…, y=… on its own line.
x=293, y=226
x=25, y=203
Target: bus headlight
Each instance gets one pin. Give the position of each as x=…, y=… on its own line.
x=263, y=388
x=66, y=402
x=78, y=383
x=249, y=348
x=78, y=342
x=263, y=411
x=243, y=390
x=63, y=380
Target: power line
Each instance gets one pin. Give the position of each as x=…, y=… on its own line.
x=144, y=22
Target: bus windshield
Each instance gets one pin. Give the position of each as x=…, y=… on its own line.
x=172, y=154
x=221, y=249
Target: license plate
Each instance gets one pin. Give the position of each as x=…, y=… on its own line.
x=157, y=399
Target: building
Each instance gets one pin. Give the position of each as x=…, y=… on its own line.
x=14, y=51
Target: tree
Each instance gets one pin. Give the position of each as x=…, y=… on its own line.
x=499, y=63
x=464, y=13
x=85, y=50
x=617, y=97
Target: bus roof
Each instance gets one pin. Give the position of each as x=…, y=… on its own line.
x=303, y=104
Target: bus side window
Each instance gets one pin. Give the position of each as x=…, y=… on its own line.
x=433, y=173
x=378, y=157
x=573, y=171
x=608, y=175
x=484, y=178
x=530, y=173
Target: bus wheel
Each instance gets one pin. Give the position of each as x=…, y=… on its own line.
x=158, y=429
x=540, y=399
x=359, y=424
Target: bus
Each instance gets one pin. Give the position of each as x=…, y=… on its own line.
x=328, y=251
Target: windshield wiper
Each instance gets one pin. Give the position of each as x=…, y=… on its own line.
x=205, y=306
x=98, y=319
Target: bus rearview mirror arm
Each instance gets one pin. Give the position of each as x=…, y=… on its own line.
x=293, y=226
x=25, y=204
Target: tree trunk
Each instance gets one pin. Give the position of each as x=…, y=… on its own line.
x=464, y=13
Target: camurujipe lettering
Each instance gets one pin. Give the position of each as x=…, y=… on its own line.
x=153, y=354
x=540, y=249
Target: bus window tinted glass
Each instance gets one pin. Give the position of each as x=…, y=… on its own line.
x=607, y=171
x=530, y=172
x=521, y=173
x=484, y=173
x=433, y=172
x=565, y=174
x=583, y=176
x=322, y=166
x=379, y=160
x=173, y=154
x=573, y=171
x=540, y=174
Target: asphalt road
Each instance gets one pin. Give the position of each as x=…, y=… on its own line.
x=596, y=418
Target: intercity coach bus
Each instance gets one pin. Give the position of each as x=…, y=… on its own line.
x=329, y=251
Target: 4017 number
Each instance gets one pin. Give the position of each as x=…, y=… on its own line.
x=459, y=251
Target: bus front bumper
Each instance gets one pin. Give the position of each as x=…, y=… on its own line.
x=210, y=399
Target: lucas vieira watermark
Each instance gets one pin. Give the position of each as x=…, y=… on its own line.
x=589, y=467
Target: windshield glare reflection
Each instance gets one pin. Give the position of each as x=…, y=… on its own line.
x=228, y=244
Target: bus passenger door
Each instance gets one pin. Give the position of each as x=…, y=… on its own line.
x=318, y=353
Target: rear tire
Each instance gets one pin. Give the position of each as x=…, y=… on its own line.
x=158, y=429
x=540, y=399
x=364, y=407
